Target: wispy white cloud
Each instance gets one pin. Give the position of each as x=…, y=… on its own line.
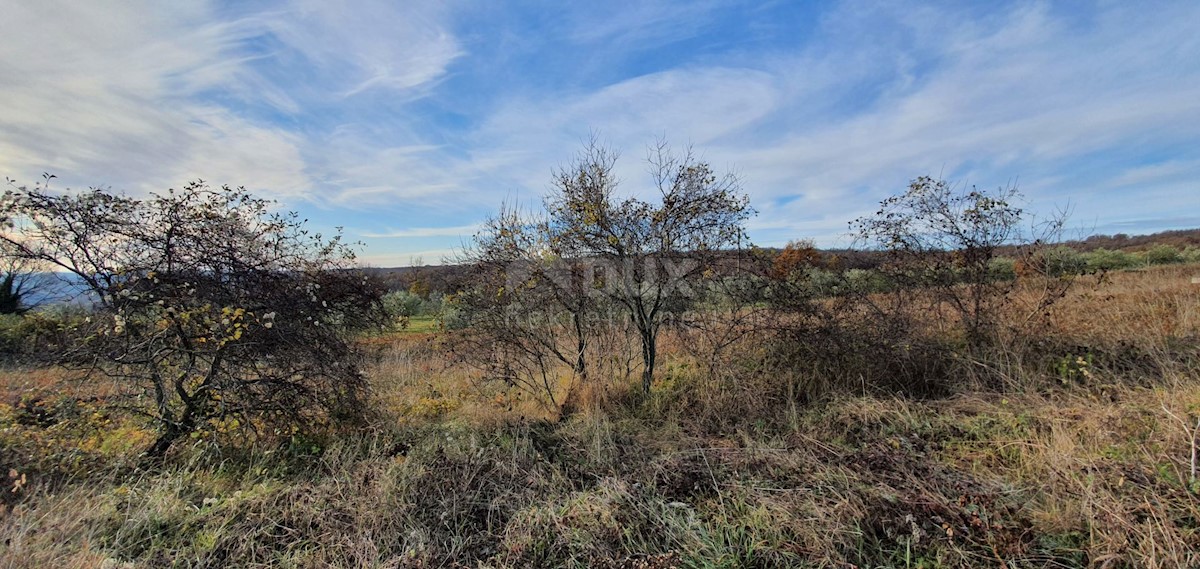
x=1020, y=96
x=1171, y=170
x=1023, y=98
x=418, y=258
x=525, y=140
x=637, y=24
x=457, y=231
x=105, y=95
x=368, y=44
x=144, y=95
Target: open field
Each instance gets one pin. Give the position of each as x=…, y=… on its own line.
x=439, y=284
x=1071, y=448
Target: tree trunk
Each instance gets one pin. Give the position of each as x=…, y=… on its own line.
x=580, y=348
x=170, y=434
x=162, y=444
x=649, y=353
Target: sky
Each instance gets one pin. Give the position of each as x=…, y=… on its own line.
x=407, y=123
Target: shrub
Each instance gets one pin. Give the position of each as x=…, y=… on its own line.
x=27, y=336
x=795, y=256
x=401, y=303
x=545, y=286
x=1003, y=268
x=824, y=282
x=865, y=281
x=658, y=249
x=453, y=314
x=209, y=309
x=12, y=334
x=1108, y=260
x=945, y=239
x=1061, y=261
x=1163, y=255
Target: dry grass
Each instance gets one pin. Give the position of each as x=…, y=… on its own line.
x=1034, y=481
x=414, y=383
x=1059, y=468
x=1149, y=307
x=18, y=383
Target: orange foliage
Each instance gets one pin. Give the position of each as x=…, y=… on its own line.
x=797, y=255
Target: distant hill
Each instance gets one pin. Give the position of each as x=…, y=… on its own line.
x=51, y=288
x=1179, y=238
x=450, y=277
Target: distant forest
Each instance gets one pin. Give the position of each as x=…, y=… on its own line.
x=448, y=278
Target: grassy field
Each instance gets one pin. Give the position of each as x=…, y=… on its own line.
x=1081, y=455
x=423, y=325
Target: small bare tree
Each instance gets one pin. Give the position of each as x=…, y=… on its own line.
x=208, y=308
x=527, y=309
x=653, y=253
x=946, y=240
x=534, y=307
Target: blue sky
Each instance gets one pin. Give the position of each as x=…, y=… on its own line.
x=407, y=123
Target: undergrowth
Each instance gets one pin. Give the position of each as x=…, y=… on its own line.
x=1069, y=448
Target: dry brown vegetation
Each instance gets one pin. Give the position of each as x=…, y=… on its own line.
x=1067, y=444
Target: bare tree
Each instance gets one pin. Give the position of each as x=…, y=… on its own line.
x=652, y=252
x=209, y=309
x=532, y=305
x=945, y=239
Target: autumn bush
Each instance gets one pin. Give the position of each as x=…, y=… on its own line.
x=209, y=313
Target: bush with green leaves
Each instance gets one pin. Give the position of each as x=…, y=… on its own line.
x=823, y=282
x=1163, y=254
x=1108, y=260
x=13, y=334
x=1061, y=261
x=1003, y=268
x=402, y=304
x=452, y=313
